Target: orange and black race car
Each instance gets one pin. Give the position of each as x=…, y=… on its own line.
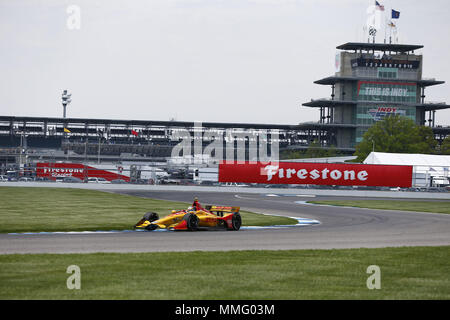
x=194, y=218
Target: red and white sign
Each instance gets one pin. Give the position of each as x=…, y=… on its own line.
x=317, y=173
x=77, y=170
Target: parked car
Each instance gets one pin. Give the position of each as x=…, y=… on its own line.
x=3, y=178
x=25, y=179
x=436, y=189
x=118, y=181
x=97, y=180
x=72, y=180
x=43, y=179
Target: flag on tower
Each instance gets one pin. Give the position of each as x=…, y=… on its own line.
x=395, y=14
x=379, y=6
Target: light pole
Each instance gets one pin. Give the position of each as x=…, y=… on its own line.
x=100, y=135
x=65, y=101
x=21, y=149
x=22, y=152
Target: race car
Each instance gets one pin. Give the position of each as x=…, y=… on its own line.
x=194, y=218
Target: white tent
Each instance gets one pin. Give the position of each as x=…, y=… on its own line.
x=428, y=169
x=410, y=159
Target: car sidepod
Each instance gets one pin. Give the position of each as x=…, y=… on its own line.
x=190, y=222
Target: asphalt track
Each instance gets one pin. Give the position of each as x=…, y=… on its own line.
x=339, y=228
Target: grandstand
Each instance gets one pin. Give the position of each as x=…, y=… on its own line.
x=41, y=138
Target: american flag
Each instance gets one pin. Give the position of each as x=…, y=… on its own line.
x=379, y=6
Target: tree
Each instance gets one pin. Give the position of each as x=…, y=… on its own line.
x=396, y=134
x=445, y=146
x=426, y=140
x=314, y=150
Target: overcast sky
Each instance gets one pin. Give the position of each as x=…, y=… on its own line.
x=195, y=60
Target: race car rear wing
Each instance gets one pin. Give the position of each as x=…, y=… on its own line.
x=220, y=210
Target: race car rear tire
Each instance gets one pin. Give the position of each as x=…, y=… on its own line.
x=236, y=222
x=191, y=221
x=151, y=216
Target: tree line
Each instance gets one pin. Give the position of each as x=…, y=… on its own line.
x=393, y=134
x=399, y=134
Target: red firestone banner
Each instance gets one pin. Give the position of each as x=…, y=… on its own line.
x=77, y=170
x=317, y=173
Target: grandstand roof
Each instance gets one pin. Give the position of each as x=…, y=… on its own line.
x=182, y=124
x=337, y=79
x=379, y=46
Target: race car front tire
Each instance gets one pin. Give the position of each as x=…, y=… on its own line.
x=151, y=216
x=191, y=221
x=151, y=227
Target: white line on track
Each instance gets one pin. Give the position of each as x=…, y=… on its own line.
x=301, y=222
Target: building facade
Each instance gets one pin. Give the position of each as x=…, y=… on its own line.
x=372, y=81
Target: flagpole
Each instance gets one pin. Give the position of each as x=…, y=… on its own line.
x=390, y=27
x=385, y=24
x=390, y=33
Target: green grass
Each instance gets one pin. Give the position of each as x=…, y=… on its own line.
x=406, y=273
x=421, y=206
x=61, y=209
